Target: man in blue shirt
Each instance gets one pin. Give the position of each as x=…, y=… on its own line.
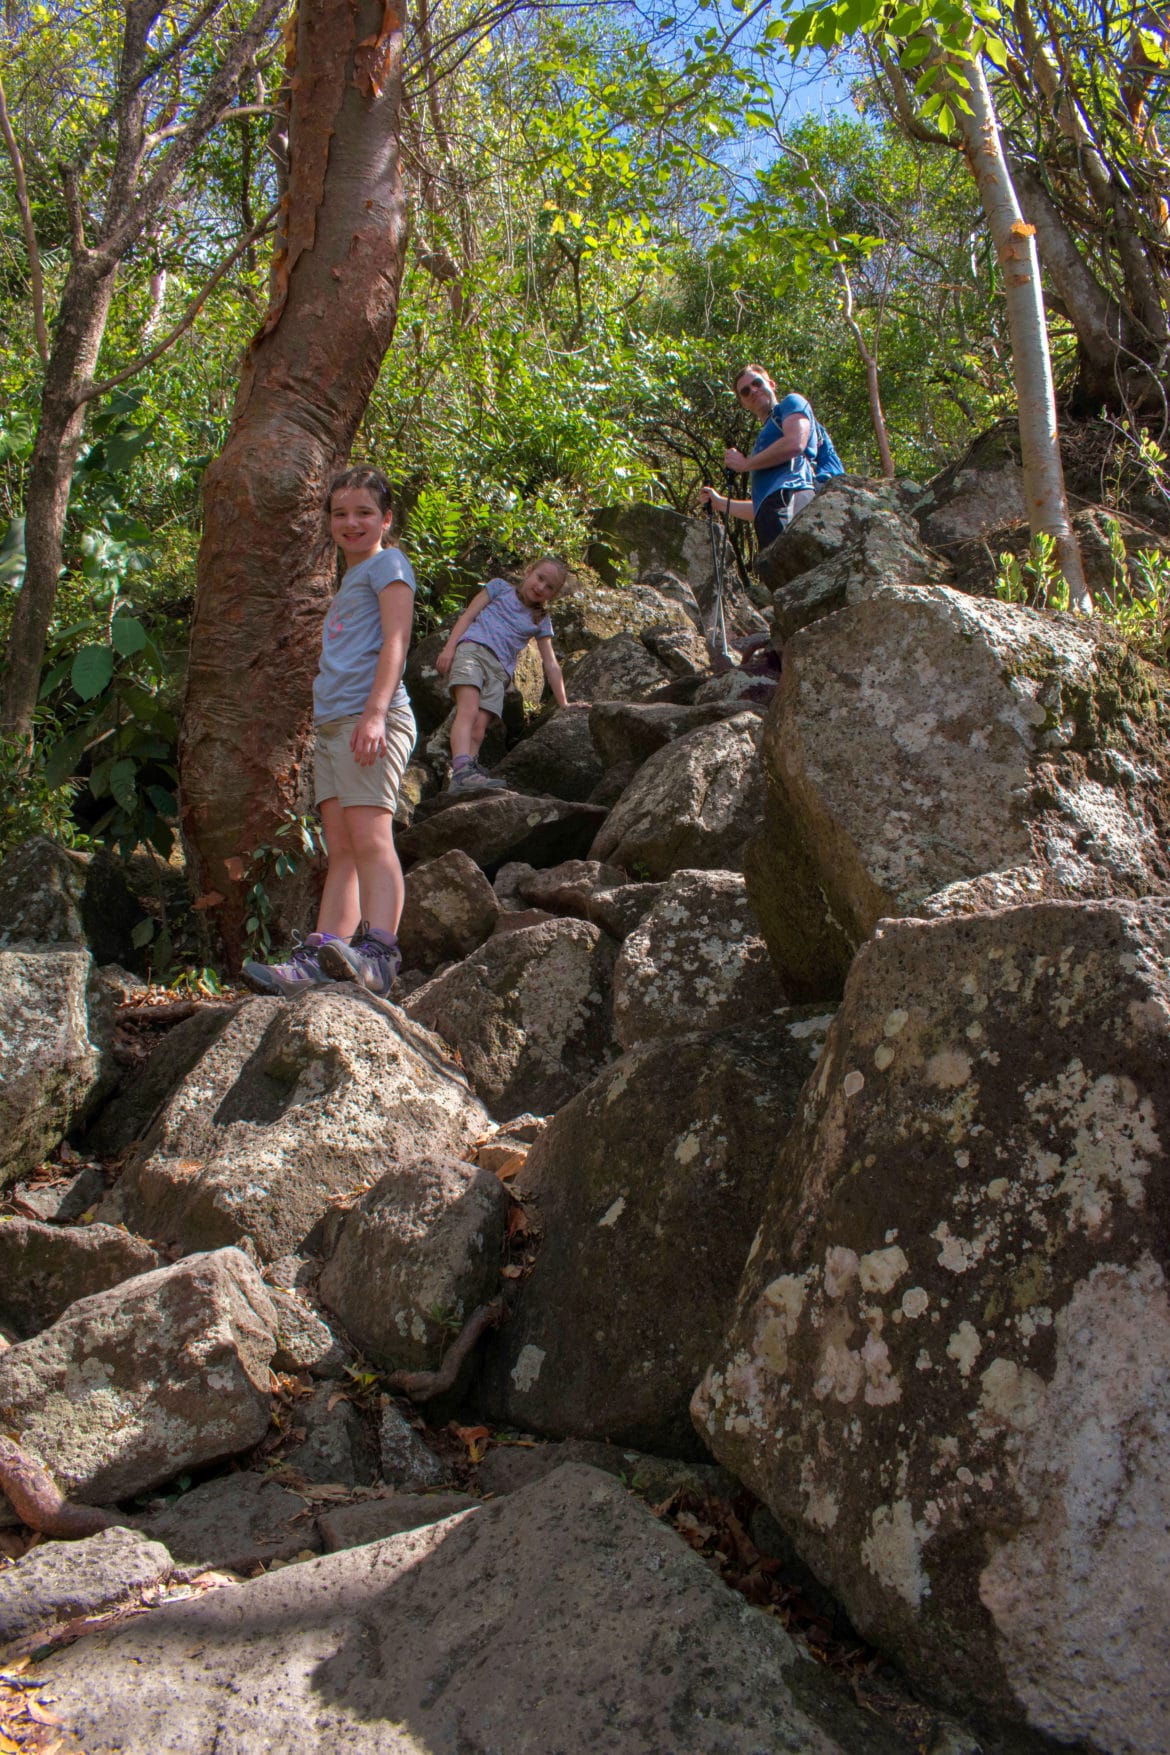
x=790, y=458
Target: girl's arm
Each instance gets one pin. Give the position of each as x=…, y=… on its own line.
x=552, y=670
x=476, y=607
x=396, y=607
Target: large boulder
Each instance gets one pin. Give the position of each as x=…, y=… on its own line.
x=496, y=828
x=56, y=1016
x=981, y=493
x=529, y=1014
x=132, y=1386
x=564, y=1618
x=948, y=1374
x=50, y=895
x=631, y=731
x=46, y=1268
x=649, y=1187
x=558, y=760
x=292, y=1106
x=59, y=1582
x=588, y=890
x=621, y=669
x=696, y=962
x=932, y=753
x=694, y=803
x=450, y=908
x=586, y=619
x=413, y=1259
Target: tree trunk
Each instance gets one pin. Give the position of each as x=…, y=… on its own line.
x=81, y=323
x=265, y=564
x=1015, y=247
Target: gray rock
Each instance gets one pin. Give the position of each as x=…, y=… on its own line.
x=848, y=516
x=291, y=1107
x=587, y=619
x=620, y=669
x=585, y=889
x=508, y=1468
x=232, y=1524
x=981, y=493
x=413, y=1259
x=59, y=1582
x=61, y=1203
x=648, y=1188
x=54, y=1047
x=932, y=753
x=303, y=1341
x=50, y=895
x=336, y=1446
x=134, y=1106
x=529, y=1014
x=46, y=1268
x=390, y=1514
x=450, y=909
x=696, y=962
x=948, y=1370
x=407, y=1462
x=496, y=828
x=564, y=1618
x=631, y=731
x=682, y=650
x=558, y=759
x=134, y=1385
x=693, y=804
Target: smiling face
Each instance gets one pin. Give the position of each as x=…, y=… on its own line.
x=541, y=585
x=357, y=523
x=756, y=391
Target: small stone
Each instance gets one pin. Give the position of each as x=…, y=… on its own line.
x=407, y=1463
x=59, y=1582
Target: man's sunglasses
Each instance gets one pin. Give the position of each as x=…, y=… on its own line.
x=745, y=390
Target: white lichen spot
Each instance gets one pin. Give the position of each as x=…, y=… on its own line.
x=923, y=1362
x=1010, y=1396
x=962, y=1160
x=964, y=1348
x=615, y=1212
x=881, y=1269
x=784, y=1300
x=526, y=1370
x=853, y=1082
x=896, y=1022
x=821, y=1508
x=948, y=1069
x=883, y=1056
x=956, y=1254
x=893, y=1551
x=997, y=1188
x=687, y=1149
x=915, y=1302
x=840, y=1270
x=840, y=1374
x=881, y=1386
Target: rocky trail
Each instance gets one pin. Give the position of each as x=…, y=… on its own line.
x=720, y=1305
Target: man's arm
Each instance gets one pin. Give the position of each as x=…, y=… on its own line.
x=739, y=508
x=796, y=432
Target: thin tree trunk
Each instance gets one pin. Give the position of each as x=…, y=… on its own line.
x=1015, y=247
x=265, y=563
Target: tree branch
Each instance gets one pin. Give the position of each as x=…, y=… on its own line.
x=89, y=391
x=39, y=1502
x=424, y=1386
x=181, y=128
x=30, y=236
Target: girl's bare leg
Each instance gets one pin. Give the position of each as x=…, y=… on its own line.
x=340, y=910
x=479, y=731
x=379, y=875
x=467, y=711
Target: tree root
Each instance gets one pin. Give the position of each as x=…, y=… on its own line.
x=423, y=1386
x=39, y=1502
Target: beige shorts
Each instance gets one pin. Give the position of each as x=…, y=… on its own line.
x=338, y=775
x=475, y=666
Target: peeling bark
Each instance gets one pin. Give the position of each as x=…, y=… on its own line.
x=265, y=563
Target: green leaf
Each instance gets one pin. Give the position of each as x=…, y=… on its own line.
x=92, y=670
x=128, y=634
x=164, y=802
x=124, y=446
x=123, y=778
x=12, y=554
x=143, y=933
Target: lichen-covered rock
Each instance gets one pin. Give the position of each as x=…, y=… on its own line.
x=408, y=1463
x=59, y=1582
x=683, y=650
x=621, y=669
x=496, y=828
x=50, y=895
x=696, y=962
x=137, y=1101
x=414, y=1257
x=880, y=546
x=293, y=1105
x=587, y=619
x=588, y=890
x=648, y=1187
x=846, y=511
x=948, y=1370
x=557, y=760
x=693, y=804
x=54, y=1041
x=450, y=909
x=46, y=1268
x=631, y=731
x=563, y=1618
x=932, y=753
x=529, y=1014
x=335, y=1444
x=979, y=494
x=132, y=1386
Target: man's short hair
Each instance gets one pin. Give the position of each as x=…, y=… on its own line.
x=752, y=368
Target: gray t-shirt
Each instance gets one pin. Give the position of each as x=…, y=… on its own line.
x=352, y=638
x=505, y=625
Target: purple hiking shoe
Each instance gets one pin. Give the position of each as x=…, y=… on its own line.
x=371, y=958
x=298, y=975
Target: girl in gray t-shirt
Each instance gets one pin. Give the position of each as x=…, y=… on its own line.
x=365, y=733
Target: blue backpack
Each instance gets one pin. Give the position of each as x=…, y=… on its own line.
x=824, y=459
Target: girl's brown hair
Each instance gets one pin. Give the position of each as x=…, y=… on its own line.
x=372, y=480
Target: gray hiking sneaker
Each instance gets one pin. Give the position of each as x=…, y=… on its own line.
x=472, y=778
x=298, y=975
x=369, y=959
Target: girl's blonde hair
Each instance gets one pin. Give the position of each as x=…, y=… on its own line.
x=562, y=567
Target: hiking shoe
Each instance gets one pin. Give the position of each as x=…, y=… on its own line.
x=472, y=778
x=301, y=972
x=369, y=959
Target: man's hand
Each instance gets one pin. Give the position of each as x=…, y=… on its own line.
x=735, y=460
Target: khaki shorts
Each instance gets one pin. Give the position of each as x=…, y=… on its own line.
x=475, y=666
x=338, y=775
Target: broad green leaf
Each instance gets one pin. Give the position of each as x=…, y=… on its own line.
x=123, y=776
x=143, y=933
x=128, y=634
x=92, y=669
x=12, y=554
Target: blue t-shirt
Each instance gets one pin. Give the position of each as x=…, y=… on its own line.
x=505, y=625
x=793, y=472
x=352, y=638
